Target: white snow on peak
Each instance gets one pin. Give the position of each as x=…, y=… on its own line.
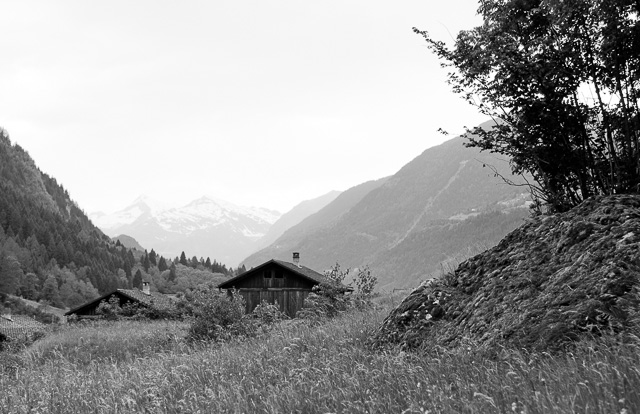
x=201, y=214
x=153, y=204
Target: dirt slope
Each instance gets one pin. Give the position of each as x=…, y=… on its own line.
x=550, y=282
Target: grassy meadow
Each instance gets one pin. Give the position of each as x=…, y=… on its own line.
x=302, y=367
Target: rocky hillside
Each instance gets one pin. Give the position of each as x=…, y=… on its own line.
x=554, y=280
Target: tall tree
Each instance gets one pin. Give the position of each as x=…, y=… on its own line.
x=50, y=291
x=146, y=263
x=10, y=274
x=183, y=259
x=162, y=264
x=153, y=257
x=560, y=80
x=137, y=279
x=172, y=272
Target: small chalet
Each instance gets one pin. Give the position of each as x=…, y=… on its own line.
x=13, y=327
x=144, y=298
x=277, y=281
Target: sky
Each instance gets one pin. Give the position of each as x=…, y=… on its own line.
x=260, y=103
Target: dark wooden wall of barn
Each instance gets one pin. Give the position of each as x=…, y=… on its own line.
x=289, y=301
x=277, y=285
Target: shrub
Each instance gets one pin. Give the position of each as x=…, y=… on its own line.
x=110, y=310
x=216, y=316
x=365, y=282
x=330, y=299
x=267, y=313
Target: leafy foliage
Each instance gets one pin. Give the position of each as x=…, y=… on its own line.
x=113, y=310
x=560, y=80
x=110, y=310
x=328, y=300
x=216, y=316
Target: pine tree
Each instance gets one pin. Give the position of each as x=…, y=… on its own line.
x=137, y=280
x=146, y=263
x=10, y=274
x=50, y=291
x=162, y=264
x=153, y=258
x=172, y=272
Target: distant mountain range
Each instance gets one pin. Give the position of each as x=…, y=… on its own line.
x=206, y=227
x=442, y=207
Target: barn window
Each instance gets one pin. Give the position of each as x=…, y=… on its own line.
x=267, y=274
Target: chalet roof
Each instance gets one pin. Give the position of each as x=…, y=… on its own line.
x=16, y=326
x=153, y=299
x=301, y=271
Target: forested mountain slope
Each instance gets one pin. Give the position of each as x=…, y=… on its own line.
x=43, y=233
x=50, y=251
x=443, y=206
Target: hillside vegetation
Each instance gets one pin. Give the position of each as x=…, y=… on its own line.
x=554, y=281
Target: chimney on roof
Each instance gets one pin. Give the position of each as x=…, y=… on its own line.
x=296, y=259
x=145, y=288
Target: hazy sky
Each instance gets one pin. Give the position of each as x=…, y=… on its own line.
x=263, y=103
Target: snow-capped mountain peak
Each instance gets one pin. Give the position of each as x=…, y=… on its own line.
x=203, y=225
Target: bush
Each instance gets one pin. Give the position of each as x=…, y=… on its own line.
x=216, y=316
x=110, y=310
x=332, y=298
x=267, y=314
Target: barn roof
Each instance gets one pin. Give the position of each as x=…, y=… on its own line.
x=152, y=300
x=302, y=271
x=16, y=326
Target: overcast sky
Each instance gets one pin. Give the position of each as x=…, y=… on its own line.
x=260, y=103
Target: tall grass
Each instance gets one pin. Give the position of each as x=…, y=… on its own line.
x=300, y=368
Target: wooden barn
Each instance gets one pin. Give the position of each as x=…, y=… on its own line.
x=143, y=298
x=277, y=281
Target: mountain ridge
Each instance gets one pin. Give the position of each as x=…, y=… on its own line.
x=439, y=206
x=206, y=227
